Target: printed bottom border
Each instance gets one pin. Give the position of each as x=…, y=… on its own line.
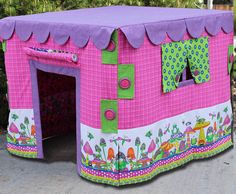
x=225, y=143
x=26, y=151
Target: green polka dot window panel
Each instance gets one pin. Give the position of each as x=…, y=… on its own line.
x=230, y=57
x=177, y=55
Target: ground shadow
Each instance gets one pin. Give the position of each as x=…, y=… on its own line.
x=60, y=148
x=56, y=149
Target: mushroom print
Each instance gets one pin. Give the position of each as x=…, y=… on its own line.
x=130, y=153
x=126, y=153
x=151, y=147
x=111, y=154
x=21, y=131
x=226, y=122
x=142, y=148
x=137, y=144
x=182, y=146
x=144, y=161
x=98, y=150
x=97, y=163
x=103, y=145
x=160, y=134
x=88, y=150
x=33, y=131
x=221, y=132
x=210, y=134
x=200, y=125
x=26, y=122
x=215, y=128
x=194, y=140
x=227, y=125
x=157, y=141
x=189, y=131
x=121, y=162
x=13, y=129
x=166, y=147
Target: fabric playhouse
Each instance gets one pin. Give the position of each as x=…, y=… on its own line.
x=146, y=89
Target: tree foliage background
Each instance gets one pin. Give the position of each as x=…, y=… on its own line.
x=22, y=7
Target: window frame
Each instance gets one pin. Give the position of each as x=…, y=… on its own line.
x=184, y=81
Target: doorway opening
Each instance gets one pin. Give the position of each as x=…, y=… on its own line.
x=57, y=104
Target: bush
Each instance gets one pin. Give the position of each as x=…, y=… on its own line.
x=3, y=92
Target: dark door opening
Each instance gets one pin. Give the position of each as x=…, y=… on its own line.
x=57, y=100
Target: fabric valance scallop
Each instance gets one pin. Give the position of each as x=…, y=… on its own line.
x=195, y=22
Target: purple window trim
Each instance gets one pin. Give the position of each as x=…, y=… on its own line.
x=185, y=82
x=69, y=71
x=184, y=74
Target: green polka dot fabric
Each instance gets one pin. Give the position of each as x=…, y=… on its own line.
x=198, y=57
x=177, y=55
x=230, y=57
x=174, y=61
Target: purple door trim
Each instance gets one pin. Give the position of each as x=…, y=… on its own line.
x=186, y=83
x=69, y=71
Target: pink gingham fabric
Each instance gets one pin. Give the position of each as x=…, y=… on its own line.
x=150, y=103
x=99, y=81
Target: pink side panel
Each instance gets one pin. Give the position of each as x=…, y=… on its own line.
x=150, y=104
x=18, y=75
x=98, y=81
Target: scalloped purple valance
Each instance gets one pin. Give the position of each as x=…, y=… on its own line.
x=98, y=25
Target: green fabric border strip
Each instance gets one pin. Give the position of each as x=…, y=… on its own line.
x=230, y=52
x=126, y=71
x=23, y=154
x=4, y=46
x=111, y=57
x=109, y=126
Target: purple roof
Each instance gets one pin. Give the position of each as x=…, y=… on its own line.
x=99, y=23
